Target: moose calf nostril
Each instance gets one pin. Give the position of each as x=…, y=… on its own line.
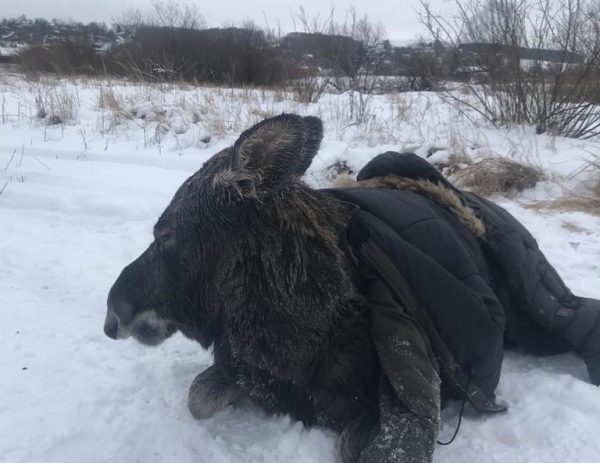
x=111, y=327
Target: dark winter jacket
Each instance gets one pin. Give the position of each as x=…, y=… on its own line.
x=440, y=259
x=462, y=273
x=542, y=315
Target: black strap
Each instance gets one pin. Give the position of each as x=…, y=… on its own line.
x=450, y=368
x=460, y=415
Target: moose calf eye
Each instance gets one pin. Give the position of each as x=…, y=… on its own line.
x=166, y=238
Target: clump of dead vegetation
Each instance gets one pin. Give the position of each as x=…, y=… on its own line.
x=587, y=202
x=56, y=105
x=112, y=107
x=498, y=175
x=571, y=203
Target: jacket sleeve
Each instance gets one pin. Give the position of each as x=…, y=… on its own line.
x=465, y=311
x=535, y=287
x=409, y=386
x=409, y=390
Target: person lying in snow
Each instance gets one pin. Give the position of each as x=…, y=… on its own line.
x=542, y=315
x=473, y=269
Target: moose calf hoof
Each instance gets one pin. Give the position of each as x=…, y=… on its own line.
x=210, y=393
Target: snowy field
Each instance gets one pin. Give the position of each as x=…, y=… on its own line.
x=79, y=201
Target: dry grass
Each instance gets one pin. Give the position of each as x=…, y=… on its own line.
x=498, y=175
x=113, y=109
x=109, y=100
x=56, y=104
x=223, y=111
x=573, y=228
x=188, y=114
x=395, y=119
x=587, y=204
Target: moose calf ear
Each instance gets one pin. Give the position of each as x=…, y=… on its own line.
x=278, y=147
x=313, y=134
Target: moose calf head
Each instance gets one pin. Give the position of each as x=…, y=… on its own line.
x=234, y=210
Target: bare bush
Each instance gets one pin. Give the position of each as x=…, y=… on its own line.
x=65, y=58
x=421, y=68
x=526, y=61
x=309, y=88
x=165, y=14
x=350, y=51
x=364, y=78
x=171, y=43
x=56, y=105
x=230, y=56
x=497, y=175
x=168, y=43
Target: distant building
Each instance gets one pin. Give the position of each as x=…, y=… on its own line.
x=526, y=56
x=304, y=43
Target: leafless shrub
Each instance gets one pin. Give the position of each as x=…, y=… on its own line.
x=167, y=14
x=309, y=88
x=171, y=42
x=497, y=175
x=526, y=61
x=229, y=56
x=56, y=105
x=67, y=58
x=365, y=76
x=168, y=43
x=351, y=52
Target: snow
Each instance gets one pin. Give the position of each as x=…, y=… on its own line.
x=10, y=51
x=79, y=204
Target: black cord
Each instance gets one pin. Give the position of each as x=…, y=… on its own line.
x=462, y=409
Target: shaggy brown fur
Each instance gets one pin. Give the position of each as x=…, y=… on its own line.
x=248, y=259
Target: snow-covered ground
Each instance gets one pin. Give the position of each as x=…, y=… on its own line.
x=79, y=201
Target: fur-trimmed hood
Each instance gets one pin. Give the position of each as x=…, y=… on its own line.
x=440, y=193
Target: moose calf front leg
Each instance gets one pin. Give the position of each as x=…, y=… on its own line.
x=210, y=392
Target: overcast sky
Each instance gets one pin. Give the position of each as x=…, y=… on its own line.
x=399, y=17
